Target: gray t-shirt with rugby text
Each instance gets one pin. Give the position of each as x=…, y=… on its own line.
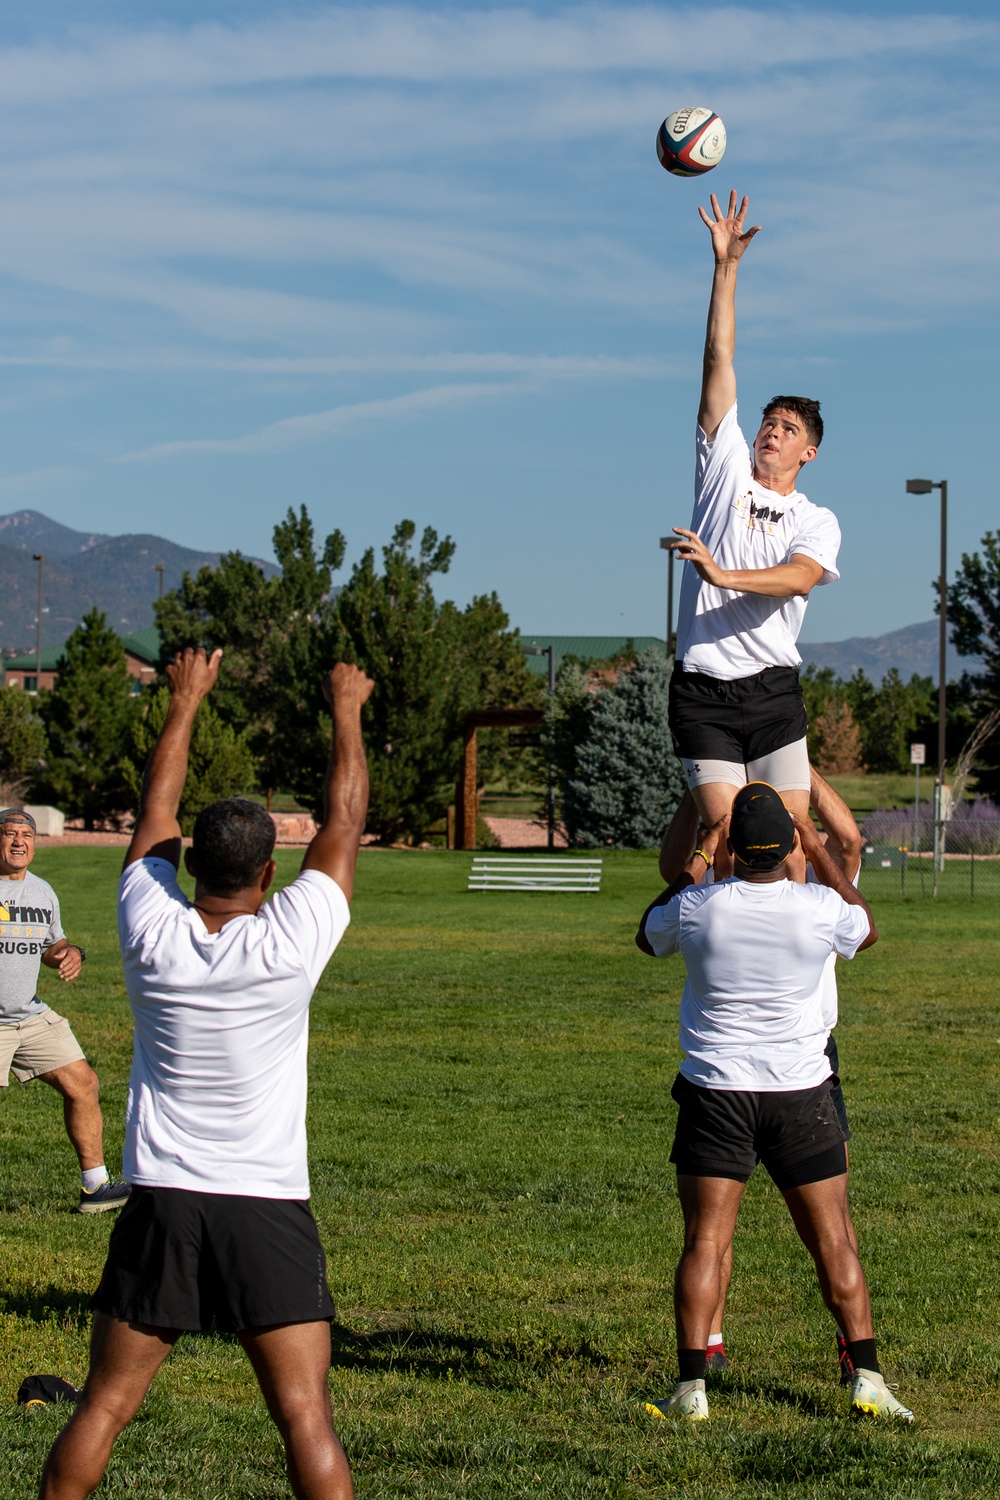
x=29, y=923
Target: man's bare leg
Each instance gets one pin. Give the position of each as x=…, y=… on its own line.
x=80, y=1090
x=823, y=1221
x=124, y=1357
x=291, y=1363
x=710, y=1206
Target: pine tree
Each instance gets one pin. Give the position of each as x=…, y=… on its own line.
x=22, y=742
x=838, y=742
x=220, y=762
x=627, y=781
x=88, y=718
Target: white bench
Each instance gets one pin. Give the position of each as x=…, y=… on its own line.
x=509, y=872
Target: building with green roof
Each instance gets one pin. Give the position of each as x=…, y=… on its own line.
x=585, y=648
x=142, y=655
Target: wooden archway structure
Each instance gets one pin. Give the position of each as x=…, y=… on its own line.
x=466, y=799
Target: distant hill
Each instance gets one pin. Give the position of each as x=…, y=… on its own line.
x=912, y=649
x=81, y=570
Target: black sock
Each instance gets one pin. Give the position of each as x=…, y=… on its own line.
x=863, y=1356
x=692, y=1363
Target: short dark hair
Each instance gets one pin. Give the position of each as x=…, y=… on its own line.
x=231, y=844
x=802, y=406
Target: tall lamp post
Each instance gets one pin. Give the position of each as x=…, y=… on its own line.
x=548, y=651
x=159, y=568
x=925, y=487
x=665, y=543
x=39, y=558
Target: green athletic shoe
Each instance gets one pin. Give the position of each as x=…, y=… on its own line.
x=871, y=1397
x=108, y=1195
x=687, y=1401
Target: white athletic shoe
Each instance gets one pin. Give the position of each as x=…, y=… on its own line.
x=687, y=1401
x=871, y=1397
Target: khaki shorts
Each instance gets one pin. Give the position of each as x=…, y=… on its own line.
x=39, y=1045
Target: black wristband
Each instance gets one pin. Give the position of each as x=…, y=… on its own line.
x=82, y=952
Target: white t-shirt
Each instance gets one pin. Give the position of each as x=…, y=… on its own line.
x=744, y=525
x=217, y=1094
x=751, y=1012
x=29, y=923
x=828, y=993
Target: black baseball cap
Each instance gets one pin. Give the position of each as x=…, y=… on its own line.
x=761, y=830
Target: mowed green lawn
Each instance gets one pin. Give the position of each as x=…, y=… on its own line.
x=490, y=1123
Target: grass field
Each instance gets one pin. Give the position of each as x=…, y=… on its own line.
x=490, y=1123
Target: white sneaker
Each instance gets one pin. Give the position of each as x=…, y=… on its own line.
x=871, y=1397
x=687, y=1401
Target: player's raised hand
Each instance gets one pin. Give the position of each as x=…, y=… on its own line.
x=346, y=685
x=729, y=238
x=692, y=549
x=192, y=674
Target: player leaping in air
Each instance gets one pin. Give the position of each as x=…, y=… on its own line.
x=757, y=547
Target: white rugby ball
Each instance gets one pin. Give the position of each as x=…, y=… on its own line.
x=691, y=141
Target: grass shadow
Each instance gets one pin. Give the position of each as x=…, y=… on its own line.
x=443, y=1356
x=50, y=1304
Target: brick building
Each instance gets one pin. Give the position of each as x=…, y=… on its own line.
x=142, y=652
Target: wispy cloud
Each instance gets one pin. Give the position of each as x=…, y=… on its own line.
x=309, y=426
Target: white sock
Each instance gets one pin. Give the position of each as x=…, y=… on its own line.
x=714, y=1340
x=94, y=1177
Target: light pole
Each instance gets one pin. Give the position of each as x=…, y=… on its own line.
x=39, y=558
x=666, y=545
x=159, y=568
x=548, y=651
x=925, y=487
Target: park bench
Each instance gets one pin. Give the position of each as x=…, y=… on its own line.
x=508, y=872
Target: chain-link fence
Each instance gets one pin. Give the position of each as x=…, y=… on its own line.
x=915, y=857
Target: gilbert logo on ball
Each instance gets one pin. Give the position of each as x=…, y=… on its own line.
x=691, y=141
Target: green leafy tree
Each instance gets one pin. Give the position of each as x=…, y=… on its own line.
x=627, y=782
x=220, y=762
x=974, y=620
x=432, y=664
x=276, y=638
x=88, y=718
x=22, y=742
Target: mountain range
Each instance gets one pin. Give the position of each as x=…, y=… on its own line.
x=119, y=574
x=81, y=569
x=914, y=648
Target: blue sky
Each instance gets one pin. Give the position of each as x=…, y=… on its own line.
x=421, y=261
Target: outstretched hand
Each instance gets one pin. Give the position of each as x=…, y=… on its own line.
x=729, y=239
x=347, y=685
x=193, y=675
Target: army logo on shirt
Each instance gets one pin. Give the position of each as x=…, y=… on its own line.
x=22, y=922
x=757, y=517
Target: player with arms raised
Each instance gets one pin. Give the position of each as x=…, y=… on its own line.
x=757, y=547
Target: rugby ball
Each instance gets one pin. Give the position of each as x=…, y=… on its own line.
x=691, y=141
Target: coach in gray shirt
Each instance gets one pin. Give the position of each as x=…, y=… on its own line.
x=34, y=1041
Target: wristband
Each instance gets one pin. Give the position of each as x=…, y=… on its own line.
x=708, y=862
x=82, y=952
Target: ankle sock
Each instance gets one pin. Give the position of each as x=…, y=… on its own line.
x=862, y=1355
x=692, y=1363
x=715, y=1342
x=93, y=1178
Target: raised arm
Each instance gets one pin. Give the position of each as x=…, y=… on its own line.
x=729, y=241
x=334, y=850
x=828, y=873
x=843, y=840
x=692, y=872
x=190, y=678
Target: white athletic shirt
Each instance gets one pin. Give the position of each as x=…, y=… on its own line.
x=751, y=1013
x=217, y=1094
x=829, y=999
x=744, y=525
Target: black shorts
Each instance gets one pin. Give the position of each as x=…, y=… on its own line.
x=739, y=720
x=724, y=1133
x=838, y=1093
x=185, y=1260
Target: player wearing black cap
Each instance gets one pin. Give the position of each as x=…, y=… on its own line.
x=755, y=1083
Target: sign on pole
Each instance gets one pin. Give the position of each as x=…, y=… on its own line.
x=918, y=755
